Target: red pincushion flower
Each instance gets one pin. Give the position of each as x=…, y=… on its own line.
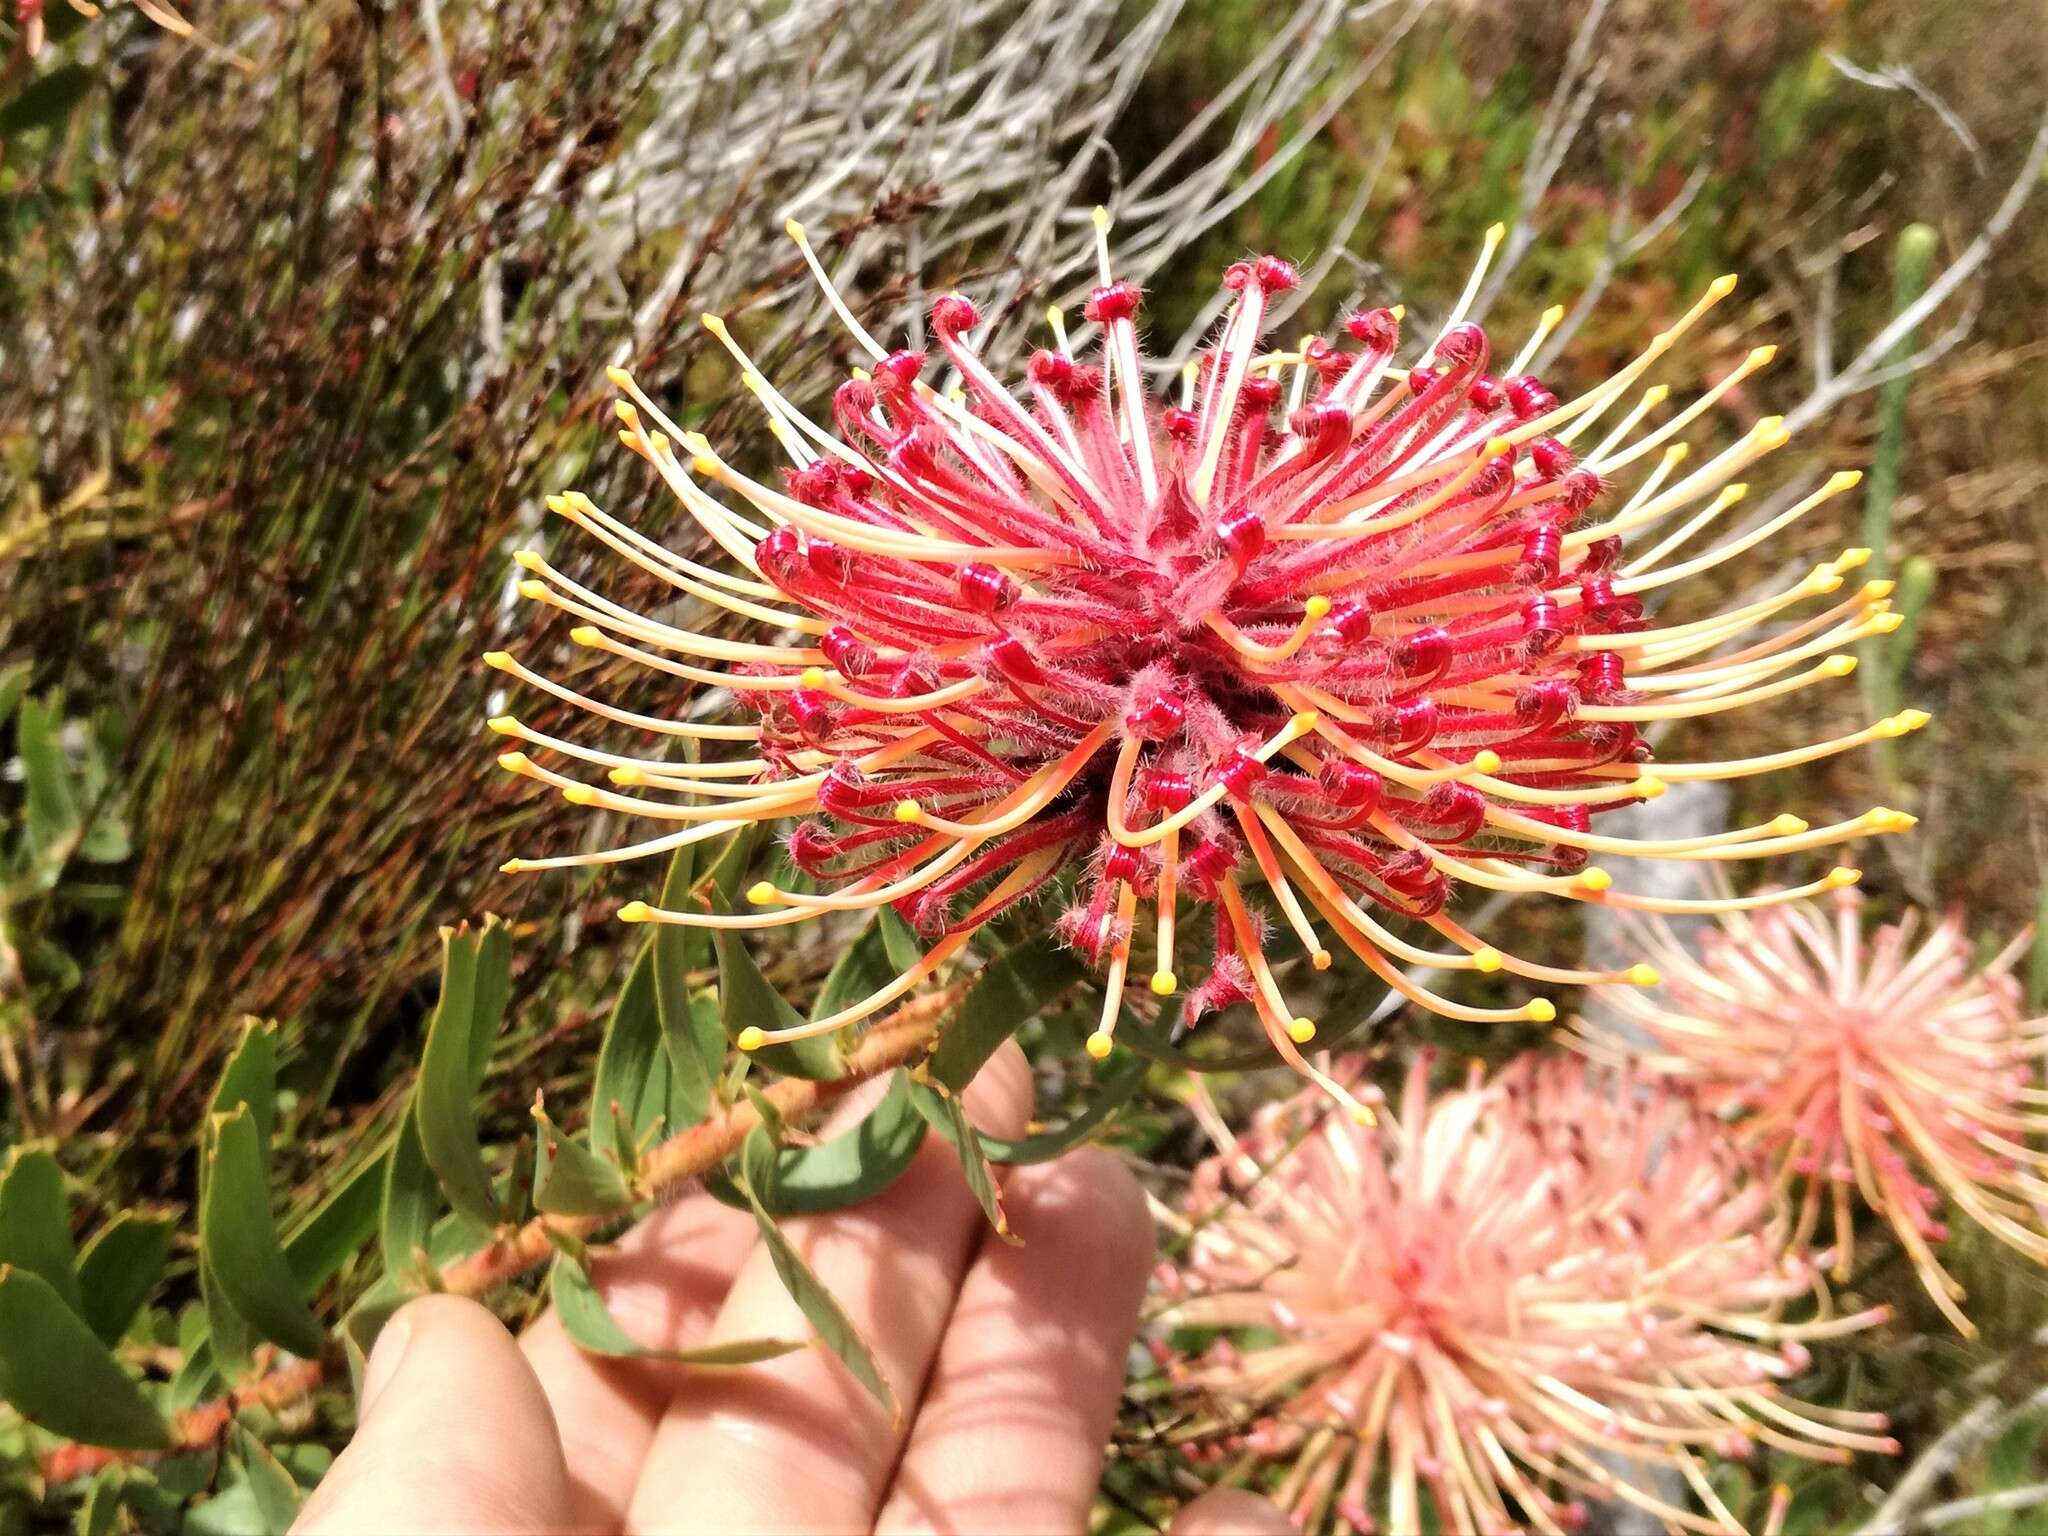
x=1348, y=631
x=1483, y=1302
x=1904, y=1074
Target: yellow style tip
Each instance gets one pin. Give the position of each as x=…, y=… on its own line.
x=1495, y=233
x=512, y=867
x=1304, y=722
x=1399, y=313
x=559, y=505
x=752, y=1038
x=498, y=661
x=1845, y=480
x=635, y=912
x=1788, y=825
x=1099, y=1045
x=1912, y=719
x=1723, y=285
x=1640, y=975
x=1164, y=983
x=627, y=777
x=625, y=411
x=1552, y=315
x=761, y=892
x=1650, y=787
x=794, y=230
x=1677, y=453
x=579, y=794
x=528, y=559
x=1595, y=879
x=715, y=324
x=1316, y=607
x=696, y=442
x=1360, y=1115
x=504, y=725
x=1321, y=959
x=619, y=377
x=1494, y=447
x=909, y=812
x=1842, y=875
x=513, y=762
x=1485, y=760
x=1878, y=591
x=1887, y=623
x=1655, y=396
x=586, y=634
x=1759, y=356
x=1852, y=559
x=1486, y=959
x=532, y=589
x=1301, y=1031
x=1100, y=216
x=812, y=677
x=1540, y=1010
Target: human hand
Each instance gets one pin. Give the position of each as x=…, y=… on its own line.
x=1008, y=1362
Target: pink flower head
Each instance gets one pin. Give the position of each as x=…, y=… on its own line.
x=1312, y=642
x=1906, y=1075
x=1480, y=1304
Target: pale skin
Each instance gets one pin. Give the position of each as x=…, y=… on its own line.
x=1008, y=1361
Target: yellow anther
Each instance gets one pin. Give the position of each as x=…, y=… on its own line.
x=1852, y=559
x=909, y=812
x=1486, y=760
x=1164, y=983
x=1301, y=1031
x=762, y=892
x=512, y=762
x=1540, y=1010
x=499, y=660
x=752, y=1038
x=1099, y=1044
x=1787, y=825
x=627, y=776
x=635, y=912
x=1316, y=607
x=1640, y=975
x=1886, y=623
x=1842, y=875
x=579, y=794
x=1845, y=479
x=1321, y=959
x=533, y=589
x=619, y=377
x=1877, y=591
x=1761, y=355
x=1594, y=879
x=1723, y=285
x=1838, y=666
x=504, y=725
x=1649, y=786
x=527, y=559
x=1912, y=719
x=812, y=677
x=1486, y=958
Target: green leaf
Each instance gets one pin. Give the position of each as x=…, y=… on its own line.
x=694, y=1057
x=231, y=1339
x=825, y=1315
x=493, y=991
x=632, y=1071
x=275, y=1491
x=100, y=1514
x=13, y=684
x=590, y=1324
x=862, y=967
x=120, y=1267
x=1113, y=1093
x=338, y=1227
x=948, y=1116
x=52, y=810
x=48, y=101
x=239, y=1239
x=58, y=1375
x=412, y=1199
x=845, y=1169
x=899, y=940
x=35, y=1226
x=1010, y=989
x=250, y=1078
x=571, y=1179
x=443, y=1102
x=745, y=999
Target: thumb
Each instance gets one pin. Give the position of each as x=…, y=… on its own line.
x=455, y=1436
x=1231, y=1512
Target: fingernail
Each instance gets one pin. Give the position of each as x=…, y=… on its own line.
x=384, y=1360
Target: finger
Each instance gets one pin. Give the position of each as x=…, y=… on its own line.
x=1011, y=1434
x=455, y=1436
x=1231, y=1512
x=796, y=1443
x=663, y=1282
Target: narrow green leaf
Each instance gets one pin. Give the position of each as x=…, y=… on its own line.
x=35, y=1226
x=632, y=1072
x=850, y=1167
x=46, y=102
x=493, y=991
x=100, y=1514
x=13, y=684
x=443, y=1104
x=250, y=1078
x=120, y=1267
x=694, y=1060
x=825, y=1315
x=275, y=1491
x=59, y=1376
x=1111, y=1095
x=1010, y=989
x=411, y=1201
x=340, y=1225
x=948, y=1116
x=589, y=1322
x=899, y=940
x=862, y=967
x=231, y=1339
x=571, y=1180
x=746, y=999
x=239, y=1239
x=52, y=811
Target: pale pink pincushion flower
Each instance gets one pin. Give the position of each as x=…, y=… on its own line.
x=1904, y=1074
x=1483, y=1301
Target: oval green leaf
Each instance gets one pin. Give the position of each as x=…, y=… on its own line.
x=35, y=1226
x=56, y=1374
x=239, y=1239
x=120, y=1267
x=572, y=1180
